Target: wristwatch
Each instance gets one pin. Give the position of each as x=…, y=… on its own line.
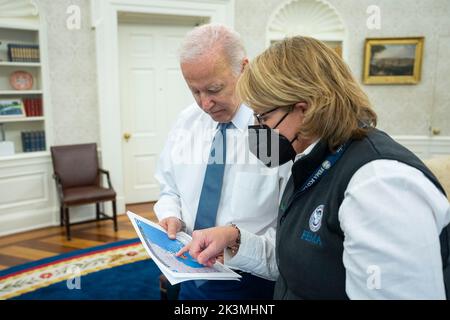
x=183, y=225
x=235, y=247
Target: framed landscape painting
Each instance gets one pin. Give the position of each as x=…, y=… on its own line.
x=12, y=108
x=393, y=60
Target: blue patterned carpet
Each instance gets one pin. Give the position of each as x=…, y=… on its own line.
x=115, y=271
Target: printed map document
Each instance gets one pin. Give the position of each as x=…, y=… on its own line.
x=162, y=250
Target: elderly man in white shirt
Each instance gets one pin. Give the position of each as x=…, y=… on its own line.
x=207, y=175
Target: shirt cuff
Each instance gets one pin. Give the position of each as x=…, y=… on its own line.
x=244, y=258
x=164, y=210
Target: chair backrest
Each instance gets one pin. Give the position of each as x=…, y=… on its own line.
x=76, y=165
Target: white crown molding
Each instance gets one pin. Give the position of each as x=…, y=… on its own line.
x=425, y=147
x=312, y=18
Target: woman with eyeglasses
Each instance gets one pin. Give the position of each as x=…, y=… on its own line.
x=361, y=217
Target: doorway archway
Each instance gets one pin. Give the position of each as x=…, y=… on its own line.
x=312, y=18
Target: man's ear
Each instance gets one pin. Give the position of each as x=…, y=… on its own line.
x=301, y=106
x=244, y=63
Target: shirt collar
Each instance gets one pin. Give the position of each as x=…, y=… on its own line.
x=242, y=118
x=308, y=161
x=306, y=151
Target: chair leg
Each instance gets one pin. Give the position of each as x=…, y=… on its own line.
x=67, y=223
x=61, y=215
x=114, y=214
x=97, y=210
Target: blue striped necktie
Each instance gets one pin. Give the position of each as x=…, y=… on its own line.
x=212, y=183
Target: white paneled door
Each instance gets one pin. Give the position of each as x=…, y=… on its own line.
x=153, y=92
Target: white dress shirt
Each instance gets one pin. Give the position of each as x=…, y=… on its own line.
x=391, y=217
x=250, y=192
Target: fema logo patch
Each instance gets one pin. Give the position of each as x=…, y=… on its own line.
x=326, y=165
x=315, y=221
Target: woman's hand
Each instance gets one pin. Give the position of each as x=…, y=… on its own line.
x=207, y=245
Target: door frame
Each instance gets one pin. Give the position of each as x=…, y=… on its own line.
x=104, y=20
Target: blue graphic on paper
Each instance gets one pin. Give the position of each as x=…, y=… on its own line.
x=154, y=236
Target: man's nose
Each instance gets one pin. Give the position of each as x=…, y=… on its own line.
x=206, y=102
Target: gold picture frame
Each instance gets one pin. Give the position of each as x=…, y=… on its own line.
x=393, y=60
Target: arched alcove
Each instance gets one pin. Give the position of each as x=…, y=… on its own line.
x=312, y=18
x=18, y=8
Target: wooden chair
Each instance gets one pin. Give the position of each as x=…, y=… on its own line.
x=166, y=290
x=78, y=181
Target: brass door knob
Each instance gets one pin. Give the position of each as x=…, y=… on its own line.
x=436, y=131
x=127, y=136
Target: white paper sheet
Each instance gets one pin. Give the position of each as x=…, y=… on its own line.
x=162, y=250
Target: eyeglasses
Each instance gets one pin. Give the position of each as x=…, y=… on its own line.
x=260, y=116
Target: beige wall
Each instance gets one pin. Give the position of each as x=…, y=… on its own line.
x=402, y=109
x=72, y=71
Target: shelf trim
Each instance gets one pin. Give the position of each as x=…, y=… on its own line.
x=19, y=64
x=23, y=119
x=32, y=25
x=20, y=92
x=26, y=155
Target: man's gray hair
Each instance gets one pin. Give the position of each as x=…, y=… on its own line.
x=212, y=37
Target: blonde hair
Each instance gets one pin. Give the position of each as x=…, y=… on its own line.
x=303, y=69
x=213, y=37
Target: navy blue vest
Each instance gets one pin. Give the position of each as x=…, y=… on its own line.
x=310, y=263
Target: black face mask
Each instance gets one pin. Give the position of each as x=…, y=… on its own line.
x=272, y=148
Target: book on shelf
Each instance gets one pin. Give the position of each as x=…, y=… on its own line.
x=33, y=107
x=23, y=52
x=33, y=141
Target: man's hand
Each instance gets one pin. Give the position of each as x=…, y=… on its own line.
x=172, y=225
x=207, y=245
